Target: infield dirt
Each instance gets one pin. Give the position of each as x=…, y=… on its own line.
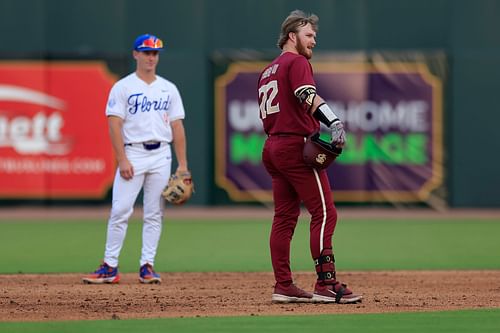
x=64, y=297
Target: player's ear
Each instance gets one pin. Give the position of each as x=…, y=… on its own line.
x=292, y=36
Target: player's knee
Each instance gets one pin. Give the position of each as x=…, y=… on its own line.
x=321, y=214
x=153, y=220
x=124, y=211
x=287, y=215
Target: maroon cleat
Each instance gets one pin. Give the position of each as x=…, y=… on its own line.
x=290, y=294
x=334, y=293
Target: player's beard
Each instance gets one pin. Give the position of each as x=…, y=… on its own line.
x=303, y=50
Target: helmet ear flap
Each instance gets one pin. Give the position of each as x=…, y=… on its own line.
x=318, y=153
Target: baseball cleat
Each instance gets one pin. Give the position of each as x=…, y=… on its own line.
x=334, y=293
x=103, y=274
x=148, y=275
x=290, y=294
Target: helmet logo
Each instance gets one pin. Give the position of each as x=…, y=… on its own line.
x=321, y=158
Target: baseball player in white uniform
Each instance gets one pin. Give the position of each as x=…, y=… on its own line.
x=145, y=113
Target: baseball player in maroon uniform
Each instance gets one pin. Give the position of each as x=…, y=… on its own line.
x=291, y=110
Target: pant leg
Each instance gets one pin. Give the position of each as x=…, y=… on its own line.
x=154, y=184
x=124, y=195
x=318, y=201
x=286, y=213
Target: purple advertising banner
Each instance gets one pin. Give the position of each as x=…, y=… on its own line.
x=393, y=116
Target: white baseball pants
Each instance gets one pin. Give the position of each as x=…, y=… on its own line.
x=151, y=172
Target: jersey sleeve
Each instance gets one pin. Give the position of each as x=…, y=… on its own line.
x=116, y=102
x=176, y=106
x=301, y=74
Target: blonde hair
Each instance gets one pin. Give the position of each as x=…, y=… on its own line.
x=293, y=22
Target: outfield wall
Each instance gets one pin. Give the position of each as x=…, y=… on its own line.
x=196, y=31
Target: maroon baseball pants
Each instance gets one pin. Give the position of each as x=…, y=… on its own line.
x=294, y=182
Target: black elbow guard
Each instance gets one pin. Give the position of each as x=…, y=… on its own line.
x=306, y=94
x=325, y=115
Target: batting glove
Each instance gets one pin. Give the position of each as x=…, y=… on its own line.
x=338, y=134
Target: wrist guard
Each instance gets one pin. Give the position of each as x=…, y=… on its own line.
x=325, y=115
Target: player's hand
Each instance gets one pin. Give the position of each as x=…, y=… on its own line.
x=181, y=169
x=126, y=169
x=338, y=134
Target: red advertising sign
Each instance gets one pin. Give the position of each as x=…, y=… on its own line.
x=54, y=140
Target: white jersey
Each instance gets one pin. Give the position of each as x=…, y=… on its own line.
x=146, y=109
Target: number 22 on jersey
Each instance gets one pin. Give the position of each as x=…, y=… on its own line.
x=267, y=94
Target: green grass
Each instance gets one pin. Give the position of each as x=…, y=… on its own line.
x=483, y=321
x=242, y=245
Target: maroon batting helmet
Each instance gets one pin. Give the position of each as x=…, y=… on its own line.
x=319, y=153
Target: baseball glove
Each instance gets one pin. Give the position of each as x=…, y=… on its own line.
x=180, y=188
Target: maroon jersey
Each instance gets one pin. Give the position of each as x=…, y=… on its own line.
x=280, y=110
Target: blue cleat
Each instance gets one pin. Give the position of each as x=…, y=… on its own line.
x=148, y=275
x=104, y=274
